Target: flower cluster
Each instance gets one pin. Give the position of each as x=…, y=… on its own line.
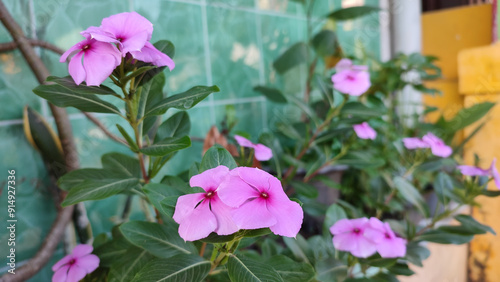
x=351, y=79
x=362, y=237
x=262, y=152
x=75, y=266
x=477, y=171
x=438, y=147
x=126, y=34
x=242, y=198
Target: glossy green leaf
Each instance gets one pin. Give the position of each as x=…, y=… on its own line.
x=126, y=266
x=299, y=247
x=130, y=141
x=401, y=269
x=330, y=269
x=215, y=157
x=408, y=192
x=305, y=189
x=109, y=251
x=490, y=193
x=60, y=96
x=182, y=101
x=166, y=146
x=76, y=177
x=290, y=270
x=297, y=54
x=468, y=116
x=416, y=254
x=352, y=13
x=325, y=43
x=361, y=160
x=378, y=261
x=443, y=237
x=472, y=225
x=179, y=268
x=124, y=164
x=273, y=94
x=160, y=240
x=442, y=185
x=357, y=109
x=95, y=189
x=157, y=192
x=177, y=125
x=68, y=83
x=333, y=214
x=248, y=270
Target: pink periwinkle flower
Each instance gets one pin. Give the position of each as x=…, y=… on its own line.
x=477, y=171
x=351, y=79
x=92, y=61
x=349, y=235
x=131, y=32
x=75, y=266
x=200, y=214
x=437, y=145
x=262, y=152
x=386, y=242
x=365, y=131
x=260, y=202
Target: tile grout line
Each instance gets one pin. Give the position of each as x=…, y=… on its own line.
x=206, y=49
x=262, y=79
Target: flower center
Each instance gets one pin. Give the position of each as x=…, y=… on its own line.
x=210, y=194
x=356, y=231
x=264, y=195
x=72, y=261
x=85, y=47
x=387, y=236
x=350, y=78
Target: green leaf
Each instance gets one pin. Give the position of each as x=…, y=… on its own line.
x=182, y=101
x=401, y=269
x=378, y=261
x=304, y=189
x=244, y=269
x=179, y=268
x=124, y=164
x=167, y=146
x=215, y=157
x=61, y=97
x=76, y=177
x=150, y=93
x=416, y=254
x=333, y=214
x=357, y=109
x=490, y=193
x=471, y=224
x=213, y=238
x=408, y=192
x=272, y=94
x=444, y=237
x=352, y=13
x=160, y=240
x=361, y=160
x=125, y=267
x=299, y=247
x=177, y=125
x=130, y=141
x=68, y=83
x=325, y=43
x=157, y=192
x=468, y=116
x=331, y=269
x=98, y=189
x=443, y=184
x=294, y=56
x=291, y=271
x=109, y=251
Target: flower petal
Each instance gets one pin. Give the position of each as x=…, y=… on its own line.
x=99, y=62
x=243, y=142
x=262, y=152
x=74, y=49
x=89, y=262
x=210, y=179
x=82, y=250
x=255, y=177
x=76, y=69
x=343, y=64
x=341, y=226
x=363, y=247
x=351, y=82
x=234, y=191
x=99, y=34
x=392, y=248
x=150, y=54
x=364, y=131
x=75, y=274
x=199, y=224
x=185, y=205
x=222, y=212
x=414, y=143
x=61, y=274
x=494, y=173
x=289, y=216
x=441, y=150
x=472, y=170
x=62, y=262
x=253, y=215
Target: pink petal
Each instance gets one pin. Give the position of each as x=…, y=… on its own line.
x=75, y=274
x=364, y=131
x=255, y=177
x=222, y=212
x=263, y=153
x=61, y=274
x=441, y=150
x=276, y=193
x=363, y=247
x=74, y=49
x=351, y=82
x=99, y=62
x=131, y=28
x=99, y=34
x=199, y=224
x=185, y=205
x=343, y=64
x=62, y=262
x=344, y=242
x=253, y=215
x=289, y=216
x=392, y=248
x=89, y=263
x=494, y=173
x=134, y=43
x=243, y=142
x=150, y=54
x=472, y=170
x=341, y=226
x=234, y=191
x=210, y=179
x=82, y=250
x=414, y=143
x=76, y=69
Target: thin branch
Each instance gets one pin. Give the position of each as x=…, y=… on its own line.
x=10, y=46
x=104, y=129
x=70, y=153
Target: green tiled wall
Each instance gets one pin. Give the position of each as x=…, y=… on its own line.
x=230, y=43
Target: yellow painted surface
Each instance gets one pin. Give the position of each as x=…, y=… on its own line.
x=480, y=70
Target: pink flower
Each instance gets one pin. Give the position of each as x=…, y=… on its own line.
x=386, y=242
x=438, y=147
x=260, y=202
x=75, y=266
x=262, y=152
x=349, y=236
x=200, y=214
x=131, y=32
x=99, y=61
x=351, y=79
x=364, y=131
x=476, y=171
x=414, y=143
